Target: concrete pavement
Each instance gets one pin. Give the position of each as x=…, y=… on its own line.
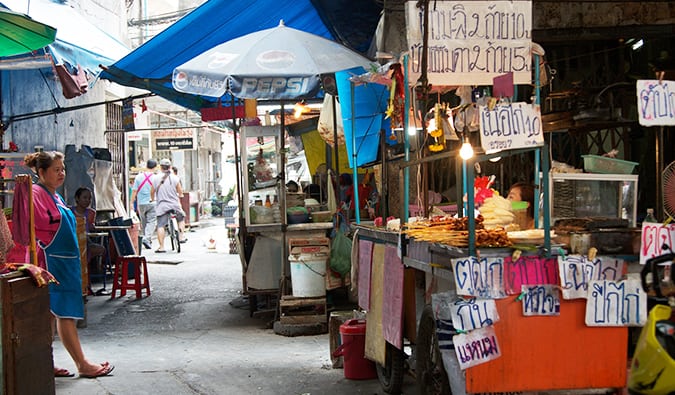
x=193, y=335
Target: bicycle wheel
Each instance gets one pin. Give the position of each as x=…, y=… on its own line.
x=169, y=232
x=175, y=235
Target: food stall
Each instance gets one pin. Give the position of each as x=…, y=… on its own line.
x=494, y=315
x=472, y=308
x=272, y=220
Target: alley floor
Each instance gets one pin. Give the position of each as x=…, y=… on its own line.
x=194, y=335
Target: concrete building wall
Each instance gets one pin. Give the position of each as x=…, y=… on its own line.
x=27, y=92
x=34, y=110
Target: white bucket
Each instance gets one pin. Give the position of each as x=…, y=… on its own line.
x=308, y=273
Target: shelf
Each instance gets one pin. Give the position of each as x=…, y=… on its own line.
x=254, y=189
x=274, y=227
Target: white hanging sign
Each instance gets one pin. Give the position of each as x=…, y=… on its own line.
x=476, y=347
x=541, y=300
x=472, y=42
x=473, y=313
x=481, y=277
x=577, y=271
x=616, y=303
x=654, y=235
x=656, y=102
x=509, y=126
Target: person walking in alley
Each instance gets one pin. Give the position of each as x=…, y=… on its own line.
x=59, y=253
x=141, y=193
x=167, y=193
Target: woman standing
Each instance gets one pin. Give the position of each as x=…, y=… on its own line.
x=59, y=253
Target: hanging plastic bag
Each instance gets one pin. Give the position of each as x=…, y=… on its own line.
x=341, y=246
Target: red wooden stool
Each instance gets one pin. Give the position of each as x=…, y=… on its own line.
x=121, y=280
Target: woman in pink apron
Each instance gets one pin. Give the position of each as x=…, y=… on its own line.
x=59, y=253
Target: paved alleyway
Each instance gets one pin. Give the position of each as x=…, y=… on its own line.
x=187, y=338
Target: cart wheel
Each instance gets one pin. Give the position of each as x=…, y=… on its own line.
x=391, y=375
x=432, y=378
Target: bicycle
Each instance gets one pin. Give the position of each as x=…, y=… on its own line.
x=173, y=232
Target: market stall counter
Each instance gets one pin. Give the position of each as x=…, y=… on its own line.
x=508, y=320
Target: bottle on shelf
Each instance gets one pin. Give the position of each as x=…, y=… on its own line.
x=268, y=203
x=650, y=216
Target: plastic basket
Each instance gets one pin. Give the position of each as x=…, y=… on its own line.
x=228, y=211
x=605, y=165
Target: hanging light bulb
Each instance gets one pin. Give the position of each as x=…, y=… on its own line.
x=466, y=152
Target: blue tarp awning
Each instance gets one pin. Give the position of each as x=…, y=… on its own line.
x=78, y=41
x=151, y=65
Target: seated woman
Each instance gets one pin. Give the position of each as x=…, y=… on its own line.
x=81, y=209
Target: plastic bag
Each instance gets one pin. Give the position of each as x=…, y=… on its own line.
x=341, y=246
x=341, y=253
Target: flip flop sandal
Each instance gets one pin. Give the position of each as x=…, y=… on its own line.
x=160, y=251
x=60, y=372
x=104, y=371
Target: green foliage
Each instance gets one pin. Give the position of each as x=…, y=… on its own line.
x=229, y=196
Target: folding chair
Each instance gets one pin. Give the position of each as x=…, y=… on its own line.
x=128, y=266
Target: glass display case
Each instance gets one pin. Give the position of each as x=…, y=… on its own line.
x=260, y=147
x=578, y=195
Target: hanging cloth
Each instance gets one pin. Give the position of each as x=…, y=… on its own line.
x=21, y=213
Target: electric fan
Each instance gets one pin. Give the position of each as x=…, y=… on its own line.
x=668, y=190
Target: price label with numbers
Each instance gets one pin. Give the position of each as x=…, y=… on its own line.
x=510, y=126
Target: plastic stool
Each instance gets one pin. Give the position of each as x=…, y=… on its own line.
x=135, y=264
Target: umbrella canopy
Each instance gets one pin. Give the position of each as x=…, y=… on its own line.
x=278, y=63
x=20, y=34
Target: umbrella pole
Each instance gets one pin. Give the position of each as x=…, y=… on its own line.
x=282, y=201
x=240, y=207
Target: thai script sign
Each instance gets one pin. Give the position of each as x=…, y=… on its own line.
x=480, y=277
x=516, y=125
x=134, y=136
x=473, y=313
x=476, y=347
x=175, y=139
x=654, y=236
x=577, y=272
x=470, y=43
x=656, y=102
x=541, y=300
x=529, y=270
x=202, y=84
x=612, y=303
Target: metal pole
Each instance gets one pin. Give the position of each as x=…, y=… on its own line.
x=355, y=183
x=406, y=141
x=659, y=170
x=335, y=138
x=240, y=206
x=281, y=173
